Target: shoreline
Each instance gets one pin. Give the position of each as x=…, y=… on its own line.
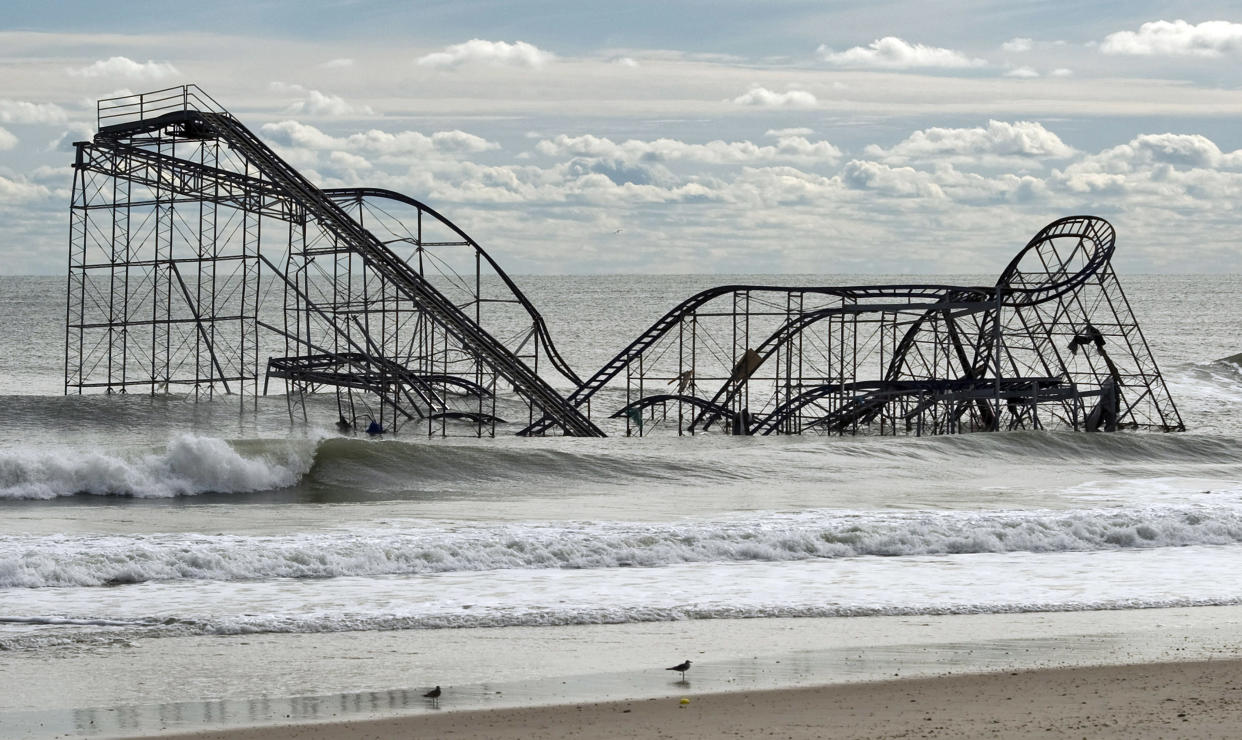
x=224, y=684
x=1194, y=699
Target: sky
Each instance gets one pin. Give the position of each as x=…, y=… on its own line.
x=884, y=137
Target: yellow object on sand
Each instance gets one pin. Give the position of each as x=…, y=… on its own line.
x=684, y=701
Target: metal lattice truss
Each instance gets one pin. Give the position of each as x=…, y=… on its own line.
x=201, y=261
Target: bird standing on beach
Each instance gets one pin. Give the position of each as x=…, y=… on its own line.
x=433, y=695
x=681, y=668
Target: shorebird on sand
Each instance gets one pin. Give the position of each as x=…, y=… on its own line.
x=681, y=668
x=433, y=695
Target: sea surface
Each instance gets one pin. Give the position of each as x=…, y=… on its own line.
x=139, y=518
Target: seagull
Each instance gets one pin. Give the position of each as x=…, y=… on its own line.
x=433, y=695
x=682, y=668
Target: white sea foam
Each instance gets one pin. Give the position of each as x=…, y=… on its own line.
x=187, y=465
x=943, y=584
x=76, y=560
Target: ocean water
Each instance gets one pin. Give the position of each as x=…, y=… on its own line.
x=127, y=519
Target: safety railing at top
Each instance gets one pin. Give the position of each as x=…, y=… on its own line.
x=140, y=106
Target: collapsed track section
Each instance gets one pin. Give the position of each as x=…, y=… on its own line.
x=1052, y=344
x=203, y=263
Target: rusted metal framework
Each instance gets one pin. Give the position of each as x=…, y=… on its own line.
x=201, y=262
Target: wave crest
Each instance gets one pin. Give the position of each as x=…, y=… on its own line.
x=187, y=465
x=30, y=562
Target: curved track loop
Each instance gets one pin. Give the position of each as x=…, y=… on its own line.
x=1096, y=242
x=545, y=337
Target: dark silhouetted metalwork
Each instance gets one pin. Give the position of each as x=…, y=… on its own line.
x=201, y=261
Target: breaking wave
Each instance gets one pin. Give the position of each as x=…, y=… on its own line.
x=191, y=465
x=80, y=560
x=187, y=465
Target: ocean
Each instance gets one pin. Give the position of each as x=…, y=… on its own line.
x=147, y=526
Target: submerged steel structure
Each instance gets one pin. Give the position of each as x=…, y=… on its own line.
x=203, y=263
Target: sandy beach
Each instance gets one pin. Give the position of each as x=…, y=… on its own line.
x=1200, y=700
x=1127, y=673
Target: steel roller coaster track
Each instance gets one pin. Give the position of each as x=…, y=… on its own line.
x=201, y=262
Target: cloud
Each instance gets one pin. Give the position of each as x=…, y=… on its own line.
x=1017, y=45
x=1025, y=139
x=761, y=96
x=625, y=61
x=1177, y=38
x=292, y=133
x=17, y=191
x=1148, y=151
x=788, y=132
x=341, y=63
x=127, y=68
x=349, y=161
x=1061, y=72
x=20, y=111
x=316, y=103
x=76, y=131
x=891, y=52
x=1025, y=73
x=1169, y=178
x=377, y=142
x=517, y=54
x=409, y=142
x=668, y=150
x=7, y=140
x=905, y=182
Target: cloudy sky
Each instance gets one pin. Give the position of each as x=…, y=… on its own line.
x=869, y=136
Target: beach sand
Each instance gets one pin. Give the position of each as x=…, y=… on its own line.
x=999, y=675
x=1183, y=700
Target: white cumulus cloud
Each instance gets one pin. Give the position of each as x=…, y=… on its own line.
x=1177, y=38
x=517, y=54
x=126, y=68
x=21, y=111
x=75, y=131
x=904, y=182
x=761, y=96
x=375, y=141
x=1017, y=45
x=635, y=151
x=780, y=132
x=1022, y=73
x=7, y=140
x=1146, y=151
x=1026, y=139
x=316, y=103
x=891, y=52
x=17, y=191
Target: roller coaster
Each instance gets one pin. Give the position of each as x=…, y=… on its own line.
x=202, y=263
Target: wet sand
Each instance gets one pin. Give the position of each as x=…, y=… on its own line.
x=819, y=677
x=1183, y=700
